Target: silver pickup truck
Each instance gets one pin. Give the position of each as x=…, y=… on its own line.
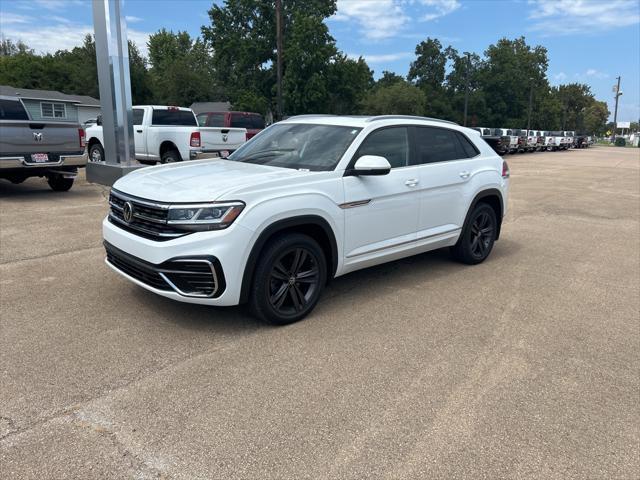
x=36, y=148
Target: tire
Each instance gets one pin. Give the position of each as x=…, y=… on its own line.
x=96, y=153
x=170, y=156
x=276, y=297
x=60, y=184
x=478, y=236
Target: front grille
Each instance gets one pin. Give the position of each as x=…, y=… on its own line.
x=192, y=277
x=149, y=219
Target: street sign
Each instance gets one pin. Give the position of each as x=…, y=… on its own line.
x=624, y=125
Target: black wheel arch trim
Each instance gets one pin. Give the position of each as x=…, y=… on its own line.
x=274, y=228
x=491, y=192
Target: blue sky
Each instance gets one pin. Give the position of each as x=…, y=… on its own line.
x=589, y=41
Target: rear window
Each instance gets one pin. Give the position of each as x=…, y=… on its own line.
x=12, y=110
x=216, y=120
x=174, y=117
x=244, y=120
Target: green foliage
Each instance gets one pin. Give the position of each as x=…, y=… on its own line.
x=620, y=142
x=181, y=70
x=389, y=78
x=400, y=98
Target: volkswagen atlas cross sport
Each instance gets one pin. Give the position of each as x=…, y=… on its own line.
x=307, y=199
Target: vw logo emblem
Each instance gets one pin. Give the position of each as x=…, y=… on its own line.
x=127, y=212
x=37, y=136
x=225, y=137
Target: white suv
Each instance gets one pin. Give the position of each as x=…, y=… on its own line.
x=308, y=199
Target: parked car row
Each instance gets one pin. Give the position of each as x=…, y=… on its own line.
x=508, y=140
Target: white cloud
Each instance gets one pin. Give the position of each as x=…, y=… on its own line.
x=7, y=18
x=132, y=19
x=592, y=72
x=566, y=17
x=377, y=19
x=561, y=77
x=439, y=8
x=381, y=58
x=62, y=35
x=382, y=19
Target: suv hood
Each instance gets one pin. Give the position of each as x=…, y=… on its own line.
x=199, y=181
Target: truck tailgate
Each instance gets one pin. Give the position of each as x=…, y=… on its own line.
x=24, y=137
x=217, y=139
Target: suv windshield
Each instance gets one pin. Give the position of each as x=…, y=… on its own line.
x=298, y=146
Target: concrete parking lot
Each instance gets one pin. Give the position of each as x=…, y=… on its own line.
x=527, y=366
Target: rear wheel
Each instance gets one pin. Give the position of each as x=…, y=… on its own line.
x=170, y=156
x=288, y=280
x=478, y=236
x=96, y=153
x=58, y=183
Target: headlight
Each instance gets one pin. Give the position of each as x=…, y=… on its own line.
x=206, y=216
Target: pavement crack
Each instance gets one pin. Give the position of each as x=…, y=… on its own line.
x=54, y=254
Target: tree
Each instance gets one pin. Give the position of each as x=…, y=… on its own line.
x=400, y=98
x=181, y=71
x=511, y=69
x=9, y=48
x=389, y=78
x=595, y=118
x=242, y=38
x=427, y=72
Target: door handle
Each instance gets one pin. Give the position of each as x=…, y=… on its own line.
x=139, y=131
x=464, y=174
x=412, y=182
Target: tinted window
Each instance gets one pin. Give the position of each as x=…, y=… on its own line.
x=468, y=148
x=138, y=115
x=390, y=143
x=245, y=120
x=12, y=110
x=437, y=145
x=216, y=120
x=174, y=117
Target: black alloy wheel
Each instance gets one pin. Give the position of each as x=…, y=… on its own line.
x=289, y=279
x=294, y=280
x=482, y=235
x=478, y=236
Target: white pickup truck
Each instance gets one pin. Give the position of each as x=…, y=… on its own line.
x=170, y=134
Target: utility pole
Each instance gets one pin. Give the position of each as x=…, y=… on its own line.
x=279, y=59
x=466, y=90
x=615, y=113
x=530, y=106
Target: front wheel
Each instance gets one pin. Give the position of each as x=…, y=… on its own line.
x=478, y=236
x=58, y=183
x=288, y=280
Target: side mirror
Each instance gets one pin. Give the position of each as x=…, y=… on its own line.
x=371, y=165
x=99, y=120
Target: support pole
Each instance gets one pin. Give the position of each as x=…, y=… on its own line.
x=279, y=106
x=466, y=89
x=112, y=55
x=615, y=113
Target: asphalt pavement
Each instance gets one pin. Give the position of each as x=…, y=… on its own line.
x=526, y=366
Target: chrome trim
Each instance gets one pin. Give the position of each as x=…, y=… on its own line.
x=415, y=240
x=162, y=272
x=144, y=230
x=138, y=215
x=358, y=203
x=125, y=197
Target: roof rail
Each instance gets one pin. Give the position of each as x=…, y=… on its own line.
x=311, y=115
x=407, y=117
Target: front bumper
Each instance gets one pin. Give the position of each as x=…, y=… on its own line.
x=64, y=161
x=227, y=250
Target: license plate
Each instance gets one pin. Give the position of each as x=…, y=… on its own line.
x=39, y=157
x=224, y=153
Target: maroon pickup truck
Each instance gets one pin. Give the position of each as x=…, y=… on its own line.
x=253, y=122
